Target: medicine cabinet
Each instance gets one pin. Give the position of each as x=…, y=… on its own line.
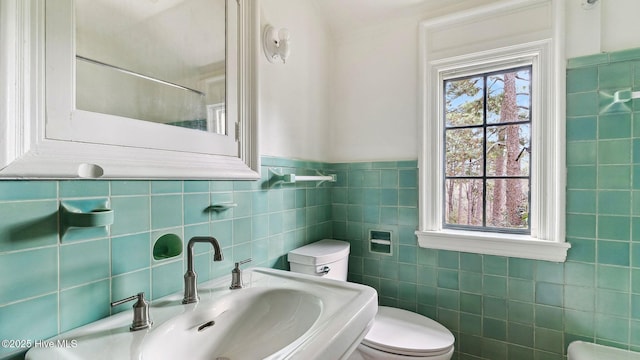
x=72, y=110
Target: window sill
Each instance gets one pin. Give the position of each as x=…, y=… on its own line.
x=520, y=246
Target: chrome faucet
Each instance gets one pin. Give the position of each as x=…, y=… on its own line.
x=190, y=287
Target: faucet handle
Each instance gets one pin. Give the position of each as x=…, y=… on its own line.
x=236, y=275
x=141, y=319
x=243, y=262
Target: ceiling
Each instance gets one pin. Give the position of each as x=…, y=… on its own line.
x=348, y=15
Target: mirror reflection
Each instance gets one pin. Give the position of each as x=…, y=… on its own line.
x=154, y=60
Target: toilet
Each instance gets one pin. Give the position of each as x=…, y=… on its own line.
x=396, y=334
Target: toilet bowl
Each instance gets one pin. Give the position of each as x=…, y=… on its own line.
x=396, y=334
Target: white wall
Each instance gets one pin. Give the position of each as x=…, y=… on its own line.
x=294, y=116
x=374, y=95
x=354, y=97
x=611, y=25
x=375, y=89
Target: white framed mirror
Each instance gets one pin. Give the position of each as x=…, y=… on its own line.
x=75, y=110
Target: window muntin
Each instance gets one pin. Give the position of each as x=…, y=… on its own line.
x=487, y=149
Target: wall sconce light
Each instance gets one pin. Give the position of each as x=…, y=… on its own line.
x=276, y=48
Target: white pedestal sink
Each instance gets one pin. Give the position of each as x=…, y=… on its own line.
x=278, y=315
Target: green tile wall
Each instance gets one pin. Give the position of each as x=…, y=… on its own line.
x=497, y=307
x=49, y=286
x=510, y=308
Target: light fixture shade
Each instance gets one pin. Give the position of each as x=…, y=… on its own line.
x=276, y=49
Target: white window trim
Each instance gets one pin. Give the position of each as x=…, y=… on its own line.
x=548, y=172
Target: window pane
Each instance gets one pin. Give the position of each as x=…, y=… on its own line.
x=509, y=96
x=508, y=203
x=464, y=101
x=508, y=150
x=463, y=149
x=463, y=203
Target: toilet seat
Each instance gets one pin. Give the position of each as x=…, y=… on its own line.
x=403, y=332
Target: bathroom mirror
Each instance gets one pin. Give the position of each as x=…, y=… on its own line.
x=130, y=89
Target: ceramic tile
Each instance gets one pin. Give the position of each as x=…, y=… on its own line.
x=582, y=177
x=494, y=307
x=579, y=298
x=582, y=128
x=613, y=278
x=579, y=322
x=166, y=187
x=614, y=202
x=548, y=317
x=83, y=188
x=28, y=224
x=84, y=304
x=577, y=273
x=614, y=152
x=614, y=177
x=32, y=319
x=588, y=60
x=582, y=104
x=613, y=253
x=581, y=80
x=581, y=153
x=521, y=312
x=582, y=250
x=84, y=262
x=521, y=290
x=614, y=126
x=581, y=201
x=614, y=228
x=194, y=207
x=612, y=303
x=548, y=340
x=583, y=226
x=495, y=265
x=37, y=268
x=471, y=262
x=494, y=285
x=129, y=253
x=614, y=75
x=20, y=190
x=611, y=328
x=166, y=279
x=448, y=279
x=549, y=294
x=494, y=329
x=166, y=211
x=131, y=215
x=130, y=187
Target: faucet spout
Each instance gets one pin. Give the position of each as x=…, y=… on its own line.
x=190, y=277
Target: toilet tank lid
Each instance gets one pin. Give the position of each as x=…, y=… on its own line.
x=320, y=252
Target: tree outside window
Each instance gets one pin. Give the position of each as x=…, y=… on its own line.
x=487, y=147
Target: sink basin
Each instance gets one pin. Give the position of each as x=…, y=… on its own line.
x=267, y=319
x=278, y=315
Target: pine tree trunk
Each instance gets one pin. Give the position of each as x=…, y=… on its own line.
x=510, y=113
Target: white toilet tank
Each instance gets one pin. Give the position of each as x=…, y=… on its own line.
x=328, y=258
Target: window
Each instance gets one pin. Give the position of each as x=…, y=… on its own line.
x=491, y=164
x=487, y=146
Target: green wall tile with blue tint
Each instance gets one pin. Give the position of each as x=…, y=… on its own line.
x=86, y=275
x=498, y=308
